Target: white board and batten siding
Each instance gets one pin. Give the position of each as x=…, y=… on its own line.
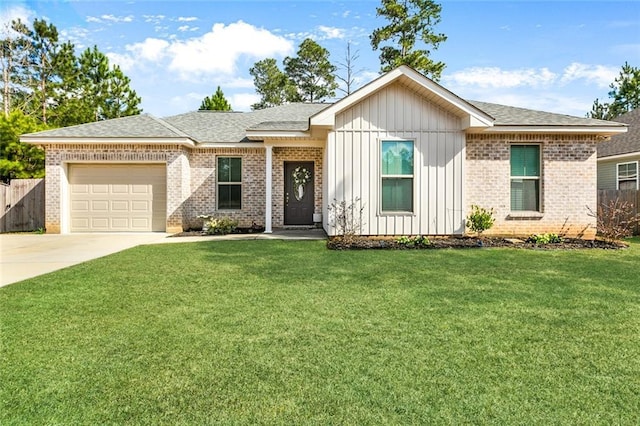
x=353, y=162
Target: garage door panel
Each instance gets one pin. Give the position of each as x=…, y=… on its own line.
x=80, y=206
x=119, y=189
x=98, y=189
x=99, y=206
x=80, y=223
x=140, y=206
x=80, y=189
x=120, y=206
x=99, y=224
x=117, y=197
x=142, y=189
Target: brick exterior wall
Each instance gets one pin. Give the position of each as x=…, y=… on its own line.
x=567, y=183
x=191, y=179
x=280, y=156
x=202, y=200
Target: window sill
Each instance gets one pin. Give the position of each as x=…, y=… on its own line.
x=397, y=214
x=525, y=215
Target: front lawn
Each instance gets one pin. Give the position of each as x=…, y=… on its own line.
x=247, y=332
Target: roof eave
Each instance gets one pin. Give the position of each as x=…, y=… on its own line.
x=70, y=140
x=619, y=156
x=594, y=130
x=259, y=135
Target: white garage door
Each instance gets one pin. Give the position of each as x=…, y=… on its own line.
x=118, y=197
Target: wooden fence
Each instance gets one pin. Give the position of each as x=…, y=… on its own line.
x=631, y=196
x=22, y=204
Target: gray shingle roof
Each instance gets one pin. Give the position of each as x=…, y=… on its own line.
x=135, y=126
x=625, y=143
x=215, y=126
x=514, y=116
x=230, y=127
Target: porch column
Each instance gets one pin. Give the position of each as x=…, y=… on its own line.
x=268, y=183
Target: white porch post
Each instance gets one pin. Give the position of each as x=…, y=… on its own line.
x=268, y=183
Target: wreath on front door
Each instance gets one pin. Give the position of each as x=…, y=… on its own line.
x=301, y=176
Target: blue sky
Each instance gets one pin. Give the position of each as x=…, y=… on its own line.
x=555, y=56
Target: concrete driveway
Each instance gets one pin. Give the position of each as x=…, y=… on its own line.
x=25, y=256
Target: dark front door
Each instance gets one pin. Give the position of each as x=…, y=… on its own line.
x=298, y=193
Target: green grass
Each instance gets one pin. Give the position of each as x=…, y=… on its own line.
x=245, y=332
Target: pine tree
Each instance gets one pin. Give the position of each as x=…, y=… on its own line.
x=215, y=102
x=409, y=21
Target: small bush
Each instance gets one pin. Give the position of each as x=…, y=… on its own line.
x=414, y=242
x=346, y=218
x=218, y=226
x=542, y=239
x=615, y=220
x=480, y=219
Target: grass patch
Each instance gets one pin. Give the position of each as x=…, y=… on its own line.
x=248, y=332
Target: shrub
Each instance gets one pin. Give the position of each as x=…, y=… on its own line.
x=615, y=220
x=416, y=241
x=345, y=218
x=542, y=239
x=480, y=219
x=218, y=226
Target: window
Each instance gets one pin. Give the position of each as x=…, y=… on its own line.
x=397, y=176
x=525, y=177
x=229, y=183
x=628, y=175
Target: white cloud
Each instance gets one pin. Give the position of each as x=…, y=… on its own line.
x=14, y=13
x=152, y=49
x=183, y=28
x=243, y=101
x=187, y=19
x=494, y=77
x=601, y=75
x=331, y=32
x=116, y=19
x=92, y=19
x=126, y=62
x=154, y=19
x=218, y=50
x=77, y=35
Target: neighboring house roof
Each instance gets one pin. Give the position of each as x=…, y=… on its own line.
x=293, y=120
x=626, y=143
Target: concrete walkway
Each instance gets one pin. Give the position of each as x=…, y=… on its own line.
x=26, y=255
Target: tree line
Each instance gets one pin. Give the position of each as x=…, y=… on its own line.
x=47, y=84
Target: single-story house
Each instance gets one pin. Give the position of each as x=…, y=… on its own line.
x=619, y=158
x=411, y=155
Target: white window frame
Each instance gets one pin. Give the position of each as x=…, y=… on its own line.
x=383, y=176
x=218, y=183
x=637, y=164
x=538, y=178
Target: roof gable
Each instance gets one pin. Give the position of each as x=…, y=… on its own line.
x=416, y=82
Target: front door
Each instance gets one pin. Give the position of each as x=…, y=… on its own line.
x=298, y=193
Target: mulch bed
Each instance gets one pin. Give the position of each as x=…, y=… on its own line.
x=199, y=233
x=388, y=243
